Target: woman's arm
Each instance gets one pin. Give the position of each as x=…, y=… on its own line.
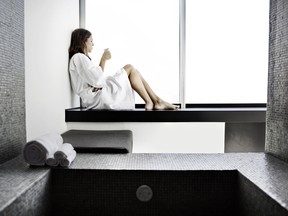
x=84, y=68
x=105, y=56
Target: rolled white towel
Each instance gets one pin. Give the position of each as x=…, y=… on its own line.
x=66, y=162
x=51, y=161
x=63, y=151
x=37, y=151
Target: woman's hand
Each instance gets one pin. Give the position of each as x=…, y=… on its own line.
x=106, y=55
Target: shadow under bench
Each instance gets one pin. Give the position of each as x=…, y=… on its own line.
x=148, y=184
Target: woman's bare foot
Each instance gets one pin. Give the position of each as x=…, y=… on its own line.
x=149, y=106
x=163, y=105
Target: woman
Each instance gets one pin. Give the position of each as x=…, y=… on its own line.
x=98, y=91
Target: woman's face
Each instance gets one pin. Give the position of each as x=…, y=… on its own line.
x=89, y=45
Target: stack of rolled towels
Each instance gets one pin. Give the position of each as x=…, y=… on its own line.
x=49, y=149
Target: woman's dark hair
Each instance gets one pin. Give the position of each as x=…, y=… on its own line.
x=78, y=39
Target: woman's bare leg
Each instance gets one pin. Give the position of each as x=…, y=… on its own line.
x=159, y=104
x=140, y=85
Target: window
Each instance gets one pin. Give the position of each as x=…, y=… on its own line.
x=227, y=51
x=226, y=45
x=143, y=33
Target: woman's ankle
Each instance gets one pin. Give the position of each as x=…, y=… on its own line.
x=149, y=106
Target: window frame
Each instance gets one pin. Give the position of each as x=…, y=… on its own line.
x=182, y=65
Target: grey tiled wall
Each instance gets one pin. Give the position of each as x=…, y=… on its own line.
x=12, y=86
x=277, y=106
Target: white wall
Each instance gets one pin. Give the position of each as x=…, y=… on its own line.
x=48, y=27
x=167, y=137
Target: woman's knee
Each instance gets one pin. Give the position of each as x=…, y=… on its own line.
x=129, y=68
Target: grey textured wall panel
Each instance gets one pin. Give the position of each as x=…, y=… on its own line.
x=244, y=137
x=277, y=105
x=12, y=79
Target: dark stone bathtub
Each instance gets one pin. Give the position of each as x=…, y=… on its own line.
x=169, y=184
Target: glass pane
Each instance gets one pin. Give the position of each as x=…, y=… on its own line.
x=144, y=33
x=227, y=51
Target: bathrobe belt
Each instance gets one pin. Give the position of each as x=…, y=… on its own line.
x=94, y=89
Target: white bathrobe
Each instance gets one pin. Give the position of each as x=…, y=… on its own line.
x=116, y=92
